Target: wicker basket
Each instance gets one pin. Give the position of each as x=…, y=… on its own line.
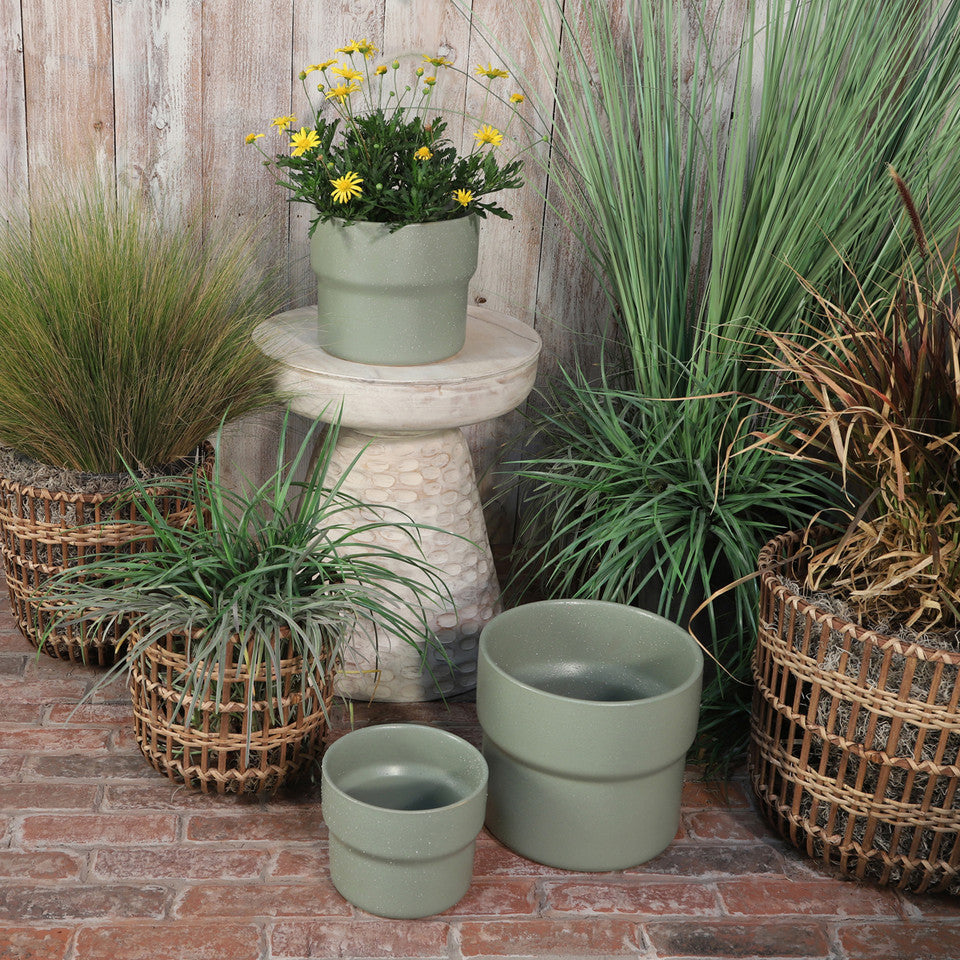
x=855, y=739
x=209, y=749
x=42, y=532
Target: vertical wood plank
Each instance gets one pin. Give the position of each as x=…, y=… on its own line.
x=247, y=49
x=13, y=113
x=68, y=73
x=158, y=102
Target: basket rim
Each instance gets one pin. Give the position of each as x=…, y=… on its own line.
x=771, y=561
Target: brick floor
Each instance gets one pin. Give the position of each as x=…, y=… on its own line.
x=100, y=857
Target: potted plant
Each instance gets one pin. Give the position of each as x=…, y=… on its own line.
x=395, y=233
x=856, y=726
x=236, y=623
x=126, y=340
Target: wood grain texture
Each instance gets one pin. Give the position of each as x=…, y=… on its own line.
x=68, y=72
x=13, y=106
x=159, y=110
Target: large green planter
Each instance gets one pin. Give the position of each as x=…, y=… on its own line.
x=394, y=298
x=588, y=709
x=404, y=804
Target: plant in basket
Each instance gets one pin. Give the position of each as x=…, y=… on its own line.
x=394, y=238
x=236, y=623
x=856, y=727
x=127, y=338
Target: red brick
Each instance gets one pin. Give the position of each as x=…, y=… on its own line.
x=727, y=939
x=775, y=896
x=631, y=896
x=497, y=898
x=569, y=937
x=726, y=825
x=29, y=943
x=703, y=861
x=5, y=824
x=39, y=866
x=179, y=863
x=309, y=862
x=712, y=793
x=10, y=767
x=43, y=691
x=80, y=902
x=12, y=664
x=924, y=940
x=494, y=859
x=34, y=795
x=78, y=830
x=53, y=739
x=303, y=899
x=160, y=793
x=358, y=938
x=99, y=714
x=930, y=905
x=264, y=826
x=185, y=941
x=12, y=711
x=105, y=767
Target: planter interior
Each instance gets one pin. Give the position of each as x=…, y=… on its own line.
x=588, y=709
x=403, y=804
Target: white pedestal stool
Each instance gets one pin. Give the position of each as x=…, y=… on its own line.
x=404, y=423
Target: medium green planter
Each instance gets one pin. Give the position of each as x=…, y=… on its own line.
x=394, y=298
x=588, y=709
x=404, y=804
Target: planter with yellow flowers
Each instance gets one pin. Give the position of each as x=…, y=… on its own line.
x=395, y=236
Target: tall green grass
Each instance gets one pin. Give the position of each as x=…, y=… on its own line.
x=126, y=337
x=699, y=185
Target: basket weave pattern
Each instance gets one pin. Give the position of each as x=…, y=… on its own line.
x=855, y=739
x=43, y=532
x=208, y=749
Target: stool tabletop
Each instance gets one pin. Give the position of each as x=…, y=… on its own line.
x=490, y=376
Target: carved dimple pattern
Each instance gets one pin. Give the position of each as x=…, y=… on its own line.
x=430, y=479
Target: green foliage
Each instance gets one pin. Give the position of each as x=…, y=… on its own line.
x=696, y=193
x=879, y=389
x=388, y=159
x=291, y=556
x=126, y=339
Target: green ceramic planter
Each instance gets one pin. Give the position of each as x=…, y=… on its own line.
x=588, y=709
x=404, y=804
x=394, y=298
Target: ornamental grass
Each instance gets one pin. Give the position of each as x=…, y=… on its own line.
x=699, y=184
x=126, y=334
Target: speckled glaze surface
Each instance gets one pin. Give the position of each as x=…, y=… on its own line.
x=393, y=298
x=404, y=804
x=430, y=479
x=588, y=709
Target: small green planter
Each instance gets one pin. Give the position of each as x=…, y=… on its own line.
x=588, y=709
x=394, y=298
x=404, y=804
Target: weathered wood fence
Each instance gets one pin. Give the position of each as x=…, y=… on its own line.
x=162, y=93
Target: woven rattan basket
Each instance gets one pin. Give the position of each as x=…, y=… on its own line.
x=42, y=532
x=209, y=749
x=855, y=739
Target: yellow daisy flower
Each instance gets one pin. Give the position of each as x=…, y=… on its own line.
x=491, y=72
x=250, y=137
x=438, y=61
x=351, y=47
x=424, y=153
x=463, y=197
x=517, y=98
x=345, y=188
x=324, y=65
x=488, y=134
x=303, y=141
x=380, y=71
x=281, y=123
x=429, y=81
x=365, y=47
x=348, y=73
x=341, y=91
